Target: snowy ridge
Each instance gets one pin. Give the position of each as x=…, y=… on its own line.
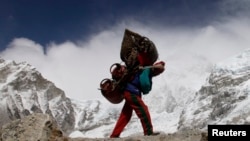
x=24, y=91
x=94, y=117
x=224, y=99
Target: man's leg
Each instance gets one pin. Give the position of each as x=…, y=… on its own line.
x=123, y=120
x=142, y=112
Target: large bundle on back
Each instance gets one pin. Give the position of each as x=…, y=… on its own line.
x=136, y=50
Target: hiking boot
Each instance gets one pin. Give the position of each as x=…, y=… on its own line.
x=153, y=134
x=114, y=136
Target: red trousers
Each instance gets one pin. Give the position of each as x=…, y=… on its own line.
x=133, y=102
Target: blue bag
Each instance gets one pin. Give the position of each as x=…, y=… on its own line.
x=146, y=81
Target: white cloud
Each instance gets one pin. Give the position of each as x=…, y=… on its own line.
x=79, y=68
x=26, y=49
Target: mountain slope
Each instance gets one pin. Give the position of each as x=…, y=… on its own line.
x=23, y=91
x=224, y=99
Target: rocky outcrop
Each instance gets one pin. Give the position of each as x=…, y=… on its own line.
x=35, y=127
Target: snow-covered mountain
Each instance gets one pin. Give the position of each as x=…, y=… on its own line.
x=23, y=91
x=187, y=98
x=224, y=98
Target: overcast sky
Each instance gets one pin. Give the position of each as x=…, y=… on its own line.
x=74, y=42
